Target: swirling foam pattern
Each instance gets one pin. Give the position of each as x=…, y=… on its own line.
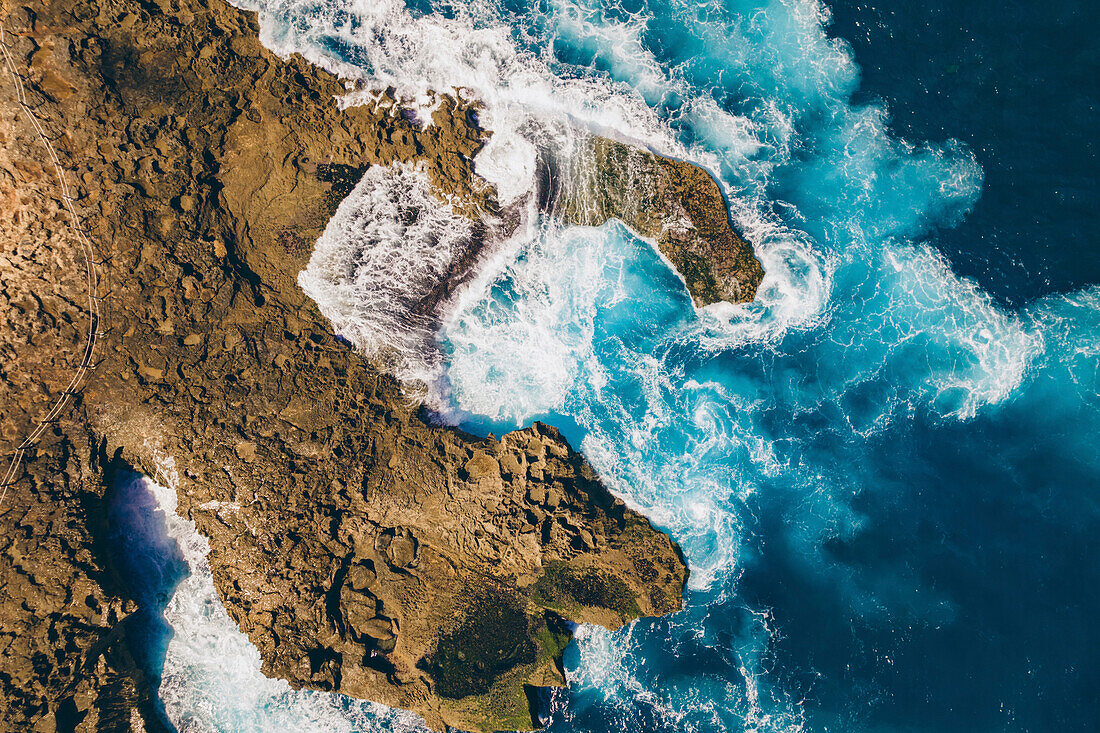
x=883, y=481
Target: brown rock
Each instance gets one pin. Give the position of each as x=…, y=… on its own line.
x=198, y=143
x=510, y=464
x=378, y=628
x=360, y=577
x=246, y=451
x=676, y=203
x=481, y=466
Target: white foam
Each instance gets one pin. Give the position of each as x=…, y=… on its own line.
x=519, y=331
x=508, y=162
x=390, y=242
x=937, y=339
x=613, y=664
x=523, y=342
x=420, y=56
x=977, y=354
x=794, y=294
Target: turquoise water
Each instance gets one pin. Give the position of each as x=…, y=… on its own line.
x=889, y=513
x=884, y=479
x=885, y=483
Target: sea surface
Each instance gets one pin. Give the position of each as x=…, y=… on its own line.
x=884, y=472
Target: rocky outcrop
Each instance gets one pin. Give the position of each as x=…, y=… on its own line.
x=433, y=571
x=675, y=203
x=363, y=549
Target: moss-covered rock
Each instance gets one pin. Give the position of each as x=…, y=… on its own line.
x=490, y=638
x=570, y=590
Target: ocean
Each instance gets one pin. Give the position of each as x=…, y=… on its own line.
x=883, y=472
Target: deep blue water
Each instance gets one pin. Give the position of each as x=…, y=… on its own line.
x=884, y=472
x=1017, y=82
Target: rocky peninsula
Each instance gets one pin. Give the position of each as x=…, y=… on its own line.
x=677, y=204
x=363, y=549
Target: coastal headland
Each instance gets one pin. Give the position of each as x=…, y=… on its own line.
x=362, y=548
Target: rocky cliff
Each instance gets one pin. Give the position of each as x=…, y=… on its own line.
x=362, y=549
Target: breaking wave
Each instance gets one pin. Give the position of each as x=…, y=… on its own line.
x=390, y=243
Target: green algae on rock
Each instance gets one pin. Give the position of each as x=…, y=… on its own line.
x=566, y=588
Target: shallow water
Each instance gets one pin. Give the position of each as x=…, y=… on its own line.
x=883, y=478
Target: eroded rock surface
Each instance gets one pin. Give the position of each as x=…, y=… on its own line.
x=362, y=549
x=675, y=203
x=426, y=572
x=64, y=660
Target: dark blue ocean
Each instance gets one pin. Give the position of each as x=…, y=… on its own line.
x=1017, y=83
x=884, y=472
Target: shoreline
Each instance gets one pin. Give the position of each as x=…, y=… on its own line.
x=216, y=358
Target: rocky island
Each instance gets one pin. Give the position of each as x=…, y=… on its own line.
x=362, y=548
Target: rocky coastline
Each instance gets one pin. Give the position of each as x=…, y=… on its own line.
x=363, y=549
